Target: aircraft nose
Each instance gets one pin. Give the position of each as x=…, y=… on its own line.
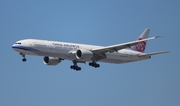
x=14, y=46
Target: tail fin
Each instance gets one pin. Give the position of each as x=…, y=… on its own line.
x=140, y=47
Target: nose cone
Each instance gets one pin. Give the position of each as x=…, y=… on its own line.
x=14, y=46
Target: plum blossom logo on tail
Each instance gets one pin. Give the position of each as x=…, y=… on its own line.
x=141, y=45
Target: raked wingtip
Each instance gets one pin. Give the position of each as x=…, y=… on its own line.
x=158, y=36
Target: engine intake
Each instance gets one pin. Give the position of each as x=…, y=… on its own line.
x=51, y=60
x=84, y=54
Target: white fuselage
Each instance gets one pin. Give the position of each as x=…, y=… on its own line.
x=64, y=50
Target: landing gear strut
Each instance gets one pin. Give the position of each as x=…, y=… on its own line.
x=24, y=58
x=94, y=64
x=75, y=66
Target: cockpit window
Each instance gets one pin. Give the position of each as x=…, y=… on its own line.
x=18, y=43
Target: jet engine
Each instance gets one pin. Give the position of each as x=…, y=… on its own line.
x=84, y=54
x=51, y=60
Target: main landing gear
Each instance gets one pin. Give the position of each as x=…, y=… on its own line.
x=75, y=66
x=94, y=64
x=24, y=58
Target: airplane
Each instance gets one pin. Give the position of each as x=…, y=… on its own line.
x=54, y=52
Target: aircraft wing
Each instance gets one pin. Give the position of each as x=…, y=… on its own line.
x=115, y=48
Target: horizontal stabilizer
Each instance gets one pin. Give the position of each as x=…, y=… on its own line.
x=154, y=53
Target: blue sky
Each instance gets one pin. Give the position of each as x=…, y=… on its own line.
x=151, y=82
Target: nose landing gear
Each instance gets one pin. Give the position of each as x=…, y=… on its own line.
x=24, y=58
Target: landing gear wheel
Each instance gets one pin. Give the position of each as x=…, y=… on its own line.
x=78, y=68
x=97, y=65
x=24, y=59
x=90, y=64
x=75, y=67
x=71, y=67
x=94, y=64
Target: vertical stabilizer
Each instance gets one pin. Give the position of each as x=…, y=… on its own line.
x=140, y=47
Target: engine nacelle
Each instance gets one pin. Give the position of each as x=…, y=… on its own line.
x=51, y=60
x=84, y=54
